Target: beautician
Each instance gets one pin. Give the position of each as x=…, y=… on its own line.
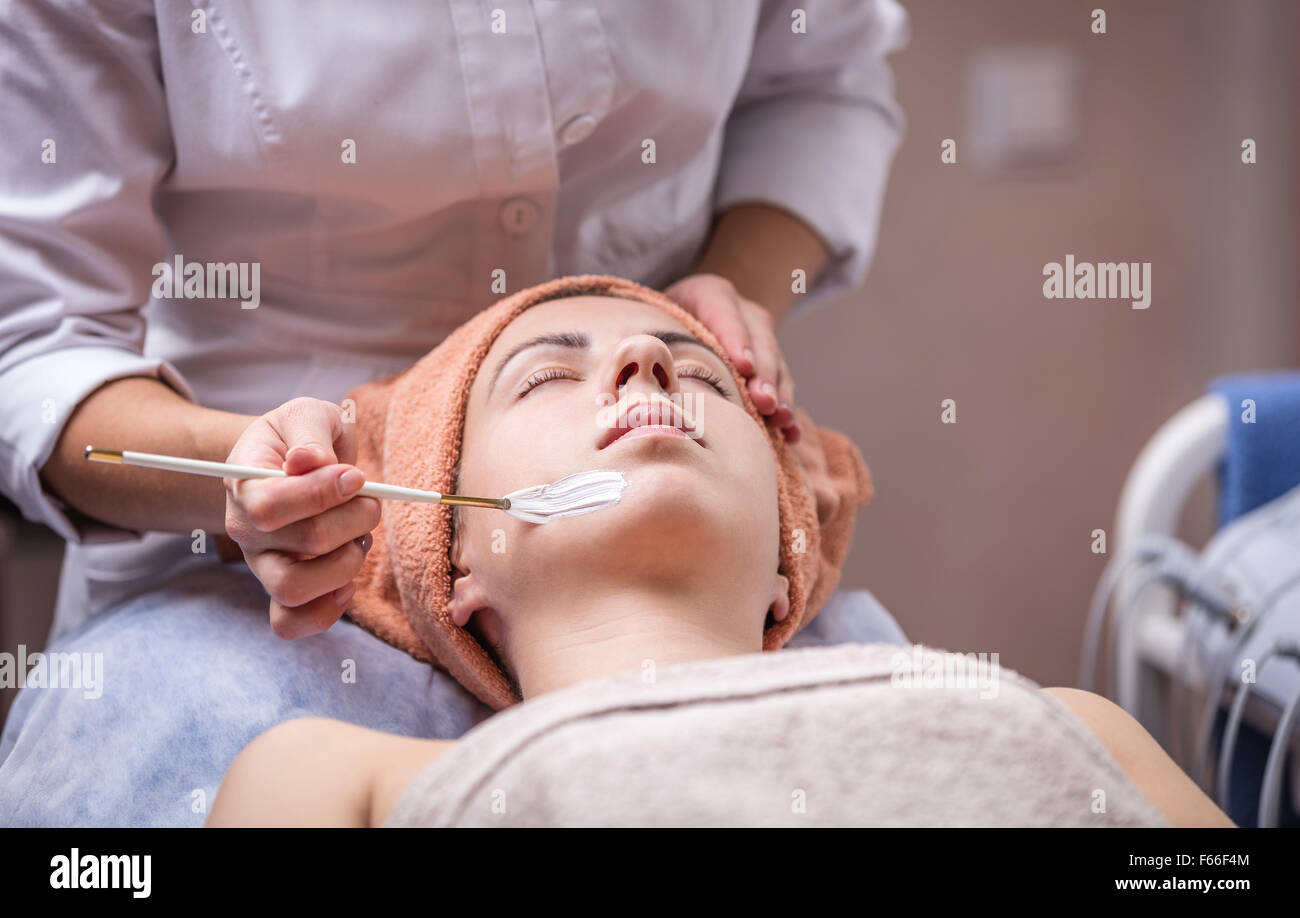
x=384, y=170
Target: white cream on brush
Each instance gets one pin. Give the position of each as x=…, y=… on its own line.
x=572, y=495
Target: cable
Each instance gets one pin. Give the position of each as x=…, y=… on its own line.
x=1218, y=681
x=1198, y=629
x=1219, y=678
x=1229, y=741
x=1234, y=542
x=1174, y=563
x=1148, y=548
x=1197, y=625
x=1227, y=749
x=1270, y=794
x=1178, y=567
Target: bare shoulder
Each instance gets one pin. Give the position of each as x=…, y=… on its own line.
x=1148, y=766
x=402, y=758
x=310, y=771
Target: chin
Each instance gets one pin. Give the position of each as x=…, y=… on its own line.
x=671, y=516
x=674, y=496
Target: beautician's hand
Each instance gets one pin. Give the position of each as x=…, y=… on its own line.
x=748, y=334
x=305, y=536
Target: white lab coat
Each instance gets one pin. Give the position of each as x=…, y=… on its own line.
x=497, y=142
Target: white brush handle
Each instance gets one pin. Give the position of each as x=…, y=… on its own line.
x=228, y=470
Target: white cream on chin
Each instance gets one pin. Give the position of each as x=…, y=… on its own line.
x=572, y=495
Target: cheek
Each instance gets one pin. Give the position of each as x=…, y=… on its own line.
x=758, y=466
x=750, y=452
x=488, y=457
x=532, y=442
x=492, y=549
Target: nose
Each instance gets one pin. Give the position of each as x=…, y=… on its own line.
x=642, y=364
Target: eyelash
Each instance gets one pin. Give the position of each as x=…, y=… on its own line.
x=701, y=373
x=708, y=376
x=542, y=376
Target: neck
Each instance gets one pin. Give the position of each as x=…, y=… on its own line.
x=565, y=639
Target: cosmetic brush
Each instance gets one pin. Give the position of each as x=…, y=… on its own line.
x=573, y=495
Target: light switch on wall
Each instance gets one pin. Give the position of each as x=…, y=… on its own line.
x=1021, y=108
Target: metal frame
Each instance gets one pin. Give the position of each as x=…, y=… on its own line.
x=1185, y=449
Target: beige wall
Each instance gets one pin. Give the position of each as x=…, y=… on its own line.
x=978, y=538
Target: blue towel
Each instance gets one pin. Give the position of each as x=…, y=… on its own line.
x=1263, y=458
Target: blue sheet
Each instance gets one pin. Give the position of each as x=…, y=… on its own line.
x=1262, y=461
x=192, y=673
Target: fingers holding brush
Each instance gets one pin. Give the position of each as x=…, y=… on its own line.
x=308, y=596
x=305, y=512
x=305, y=535
x=313, y=535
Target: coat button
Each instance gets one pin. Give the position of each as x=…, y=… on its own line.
x=518, y=216
x=578, y=129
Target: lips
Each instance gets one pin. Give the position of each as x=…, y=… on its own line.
x=641, y=413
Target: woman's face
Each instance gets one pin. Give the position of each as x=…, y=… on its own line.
x=579, y=383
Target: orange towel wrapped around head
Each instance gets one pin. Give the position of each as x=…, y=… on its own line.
x=409, y=429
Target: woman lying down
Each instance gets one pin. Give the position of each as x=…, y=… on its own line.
x=631, y=652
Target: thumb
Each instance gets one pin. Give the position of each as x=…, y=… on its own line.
x=309, y=429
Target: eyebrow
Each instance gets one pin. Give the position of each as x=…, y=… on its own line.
x=577, y=340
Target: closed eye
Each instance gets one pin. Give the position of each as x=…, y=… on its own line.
x=543, y=376
x=706, y=375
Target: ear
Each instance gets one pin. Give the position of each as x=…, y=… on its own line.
x=780, y=606
x=470, y=607
x=465, y=595
x=466, y=598
x=471, y=610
